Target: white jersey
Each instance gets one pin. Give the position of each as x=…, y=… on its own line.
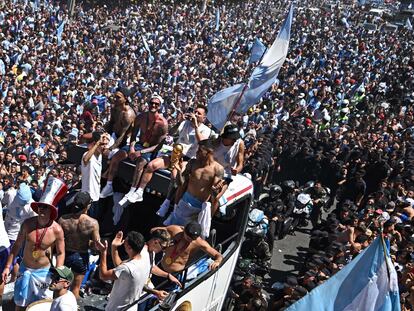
x=227, y=155
x=66, y=302
x=187, y=137
x=17, y=213
x=131, y=278
x=4, y=239
x=91, y=176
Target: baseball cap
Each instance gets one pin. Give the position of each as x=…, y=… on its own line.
x=64, y=273
x=231, y=132
x=81, y=201
x=193, y=230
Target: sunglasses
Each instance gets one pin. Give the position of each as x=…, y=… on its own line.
x=57, y=279
x=154, y=103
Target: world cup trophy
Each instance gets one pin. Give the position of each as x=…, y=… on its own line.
x=176, y=155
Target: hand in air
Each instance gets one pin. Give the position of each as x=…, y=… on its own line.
x=118, y=241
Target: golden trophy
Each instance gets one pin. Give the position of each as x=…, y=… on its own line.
x=176, y=155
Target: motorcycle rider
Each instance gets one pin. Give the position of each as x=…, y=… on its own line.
x=318, y=195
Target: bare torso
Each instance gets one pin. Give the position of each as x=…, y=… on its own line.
x=122, y=117
x=78, y=230
x=202, y=178
x=151, y=129
x=176, y=256
x=48, y=241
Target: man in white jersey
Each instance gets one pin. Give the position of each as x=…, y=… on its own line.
x=91, y=168
x=130, y=275
x=229, y=152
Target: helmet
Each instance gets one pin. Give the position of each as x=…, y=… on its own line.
x=304, y=198
x=310, y=184
x=289, y=185
x=275, y=190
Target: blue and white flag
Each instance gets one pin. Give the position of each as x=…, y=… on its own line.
x=408, y=24
x=222, y=103
x=262, y=78
x=147, y=48
x=59, y=32
x=217, y=19
x=265, y=74
x=256, y=51
x=368, y=283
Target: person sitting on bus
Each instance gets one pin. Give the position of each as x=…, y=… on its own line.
x=200, y=179
x=186, y=242
x=229, y=152
x=190, y=132
x=152, y=128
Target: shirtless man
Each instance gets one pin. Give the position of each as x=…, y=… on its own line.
x=39, y=235
x=120, y=124
x=202, y=179
x=81, y=233
x=152, y=128
x=190, y=132
x=187, y=242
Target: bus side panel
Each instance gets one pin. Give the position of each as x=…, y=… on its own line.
x=210, y=294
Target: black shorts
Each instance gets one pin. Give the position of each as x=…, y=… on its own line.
x=78, y=262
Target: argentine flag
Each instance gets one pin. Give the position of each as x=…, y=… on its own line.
x=59, y=32
x=367, y=283
x=241, y=97
x=257, y=51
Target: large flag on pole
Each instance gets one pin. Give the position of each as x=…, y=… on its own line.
x=265, y=74
x=368, y=283
x=256, y=51
x=260, y=81
x=59, y=32
x=222, y=103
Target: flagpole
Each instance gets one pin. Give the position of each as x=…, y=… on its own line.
x=385, y=253
x=237, y=103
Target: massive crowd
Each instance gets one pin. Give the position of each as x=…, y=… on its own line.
x=340, y=114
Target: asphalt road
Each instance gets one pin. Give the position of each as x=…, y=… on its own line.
x=288, y=255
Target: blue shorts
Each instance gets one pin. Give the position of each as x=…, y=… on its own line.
x=78, y=262
x=192, y=200
x=149, y=156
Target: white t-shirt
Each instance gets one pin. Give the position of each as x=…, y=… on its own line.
x=132, y=276
x=4, y=239
x=91, y=176
x=66, y=302
x=187, y=137
x=17, y=213
x=227, y=156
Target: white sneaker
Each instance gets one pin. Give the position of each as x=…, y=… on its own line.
x=106, y=191
x=125, y=198
x=137, y=196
